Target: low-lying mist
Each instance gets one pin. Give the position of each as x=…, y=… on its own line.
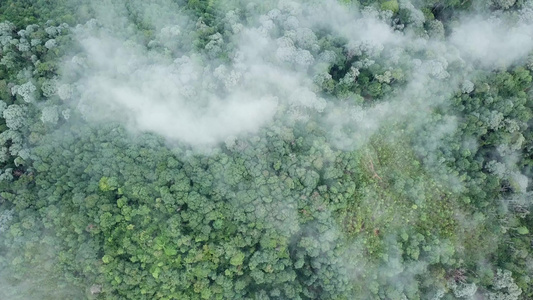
x=269, y=68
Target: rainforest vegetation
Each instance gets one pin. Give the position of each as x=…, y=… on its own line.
x=232, y=149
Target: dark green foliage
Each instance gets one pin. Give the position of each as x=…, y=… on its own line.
x=26, y=12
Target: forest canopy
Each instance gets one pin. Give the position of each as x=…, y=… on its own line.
x=231, y=149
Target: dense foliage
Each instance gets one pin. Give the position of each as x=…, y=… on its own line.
x=432, y=200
